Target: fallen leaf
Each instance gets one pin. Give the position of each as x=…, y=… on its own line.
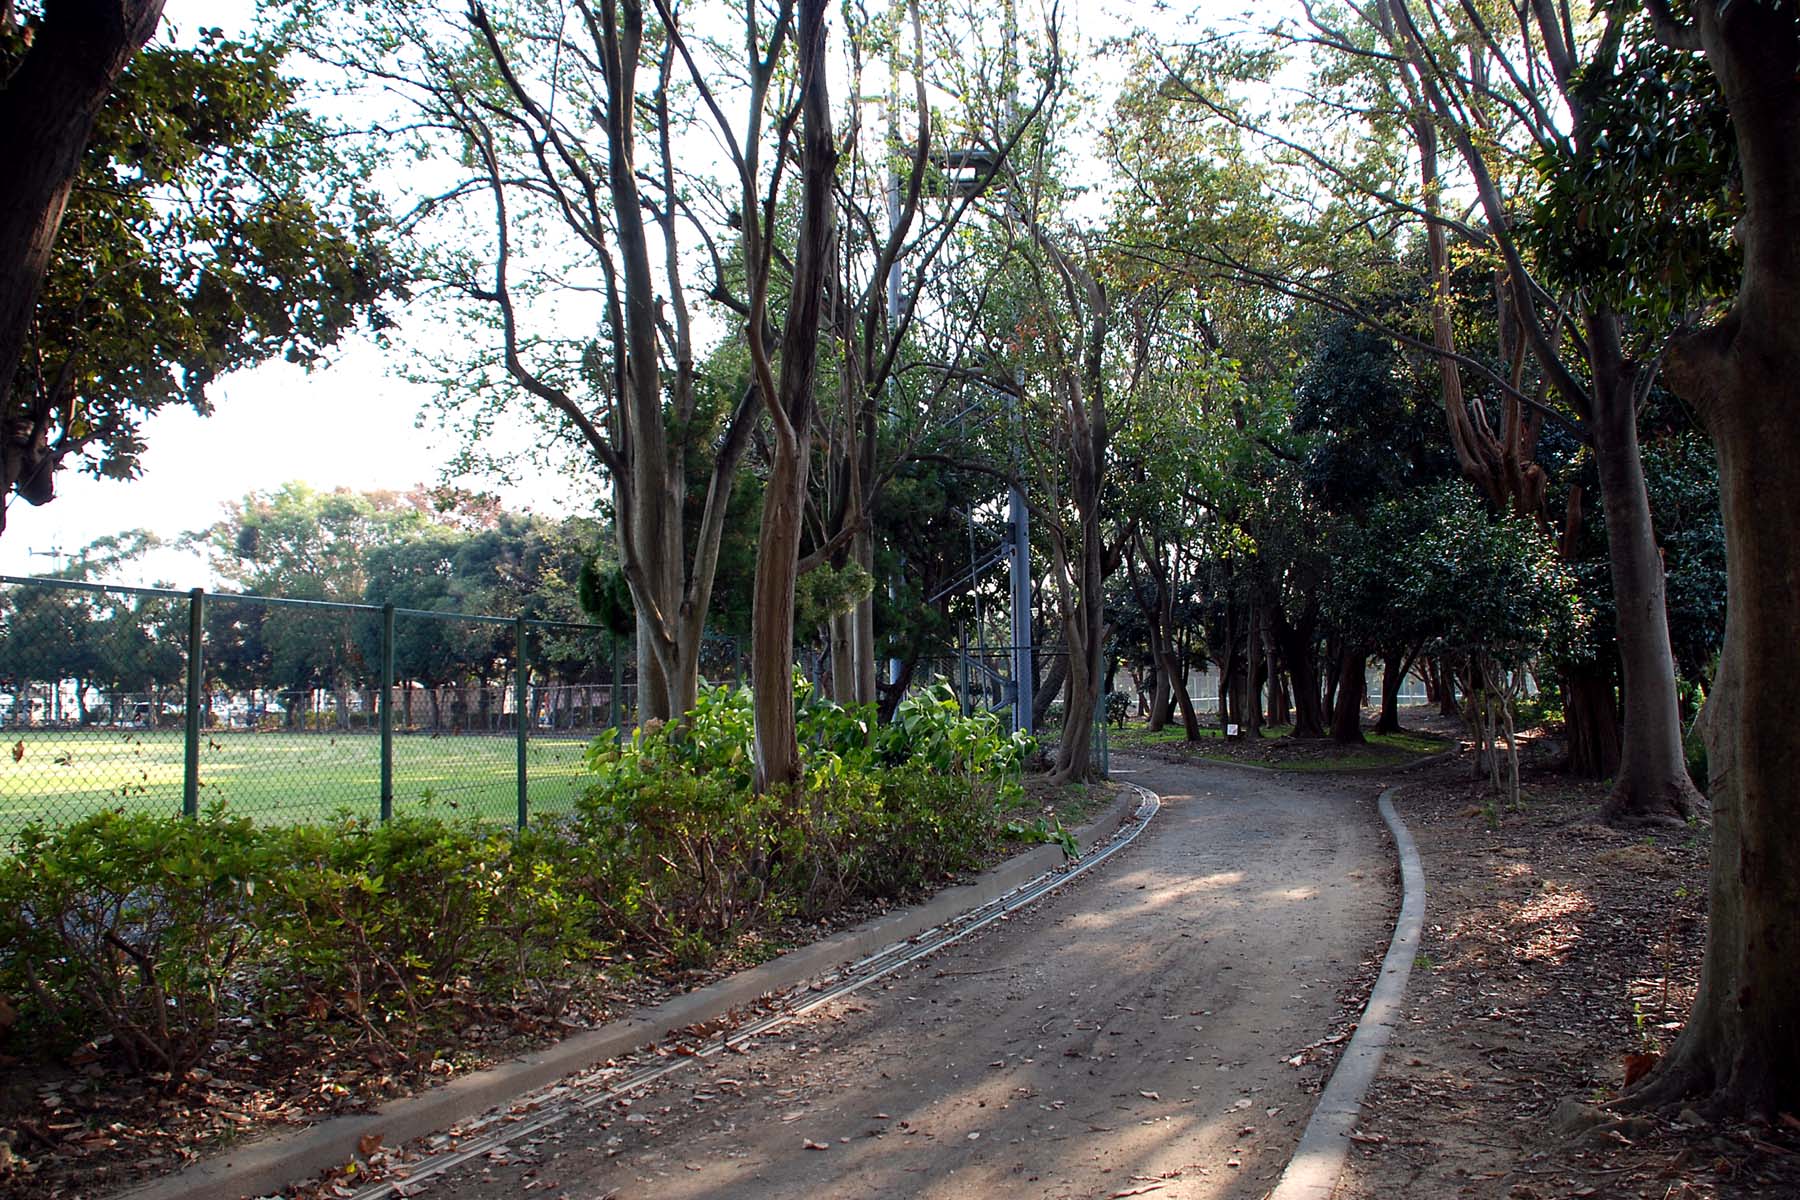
x=812, y=1145
x=1149, y=1095
x=1638, y=1065
x=368, y=1144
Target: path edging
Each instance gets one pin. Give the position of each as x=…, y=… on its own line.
x=1312, y=1173
x=270, y=1164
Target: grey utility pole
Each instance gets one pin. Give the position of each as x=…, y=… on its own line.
x=1019, y=521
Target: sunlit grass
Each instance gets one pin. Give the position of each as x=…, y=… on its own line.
x=1379, y=750
x=61, y=775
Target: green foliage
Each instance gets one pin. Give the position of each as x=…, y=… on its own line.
x=606, y=597
x=130, y=927
x=222, y=229
x=1642, y=216
x=1682, y=477
x=1492, y=584
x=928, y=732
x=381, y=921
x=680, y=847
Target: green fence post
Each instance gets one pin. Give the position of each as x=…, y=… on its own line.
x=520, y=688
x=387, y=713
x=196, y=675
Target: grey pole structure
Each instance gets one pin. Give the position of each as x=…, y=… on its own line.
x=196, y=676
x=1019, y=517
x=387, y=713
x=1019, y=521
x=893, y=315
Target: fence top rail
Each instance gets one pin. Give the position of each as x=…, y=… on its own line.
x=82, y=585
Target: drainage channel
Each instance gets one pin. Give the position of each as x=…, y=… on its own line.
x=602, y=1086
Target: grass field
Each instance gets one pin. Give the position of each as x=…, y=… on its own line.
x=60, y=776
x=1380, y=749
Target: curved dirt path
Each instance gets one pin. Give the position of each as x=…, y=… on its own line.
x=1127, y=1036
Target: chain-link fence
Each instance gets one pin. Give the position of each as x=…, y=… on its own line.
x=288, y=709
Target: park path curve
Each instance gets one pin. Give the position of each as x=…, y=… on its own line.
x=1129, y=1035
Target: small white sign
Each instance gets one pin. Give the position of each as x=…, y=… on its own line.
x=1231, y=731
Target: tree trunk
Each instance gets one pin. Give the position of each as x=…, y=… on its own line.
x=772, y=617
x=1742, y=1041
x=1652, y=784
x=790, y=405
x=1446, y=685
x=863, y=649
x=1253, y=664
x=47, y=111
x=1162, y=699
x=842, y=631
x=1346, y=716
x=1591, y=720
x=1074, y=752
x=1297, y=642
x=1393, y=673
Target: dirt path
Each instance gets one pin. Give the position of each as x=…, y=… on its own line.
x=1128, y=1036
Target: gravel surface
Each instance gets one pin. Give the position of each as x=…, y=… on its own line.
x=1155, y=1028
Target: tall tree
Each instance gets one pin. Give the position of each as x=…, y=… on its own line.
x=1741, y=1045
x=58, y=70
x=212, y=226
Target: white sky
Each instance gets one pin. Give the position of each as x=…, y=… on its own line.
x=350, y=424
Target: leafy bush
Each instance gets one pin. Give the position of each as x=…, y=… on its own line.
x=145, y=932
x=130, y=926
x=379, y=921
x=679, y=849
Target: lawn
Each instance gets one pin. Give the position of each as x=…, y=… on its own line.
x=1276, y=749
x=62, y=775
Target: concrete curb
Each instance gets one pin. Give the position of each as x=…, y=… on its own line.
x=261, y=1167
x=1312, y=1173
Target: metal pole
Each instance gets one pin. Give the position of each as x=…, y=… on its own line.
x=387, y=713
x=1019, y=518
x=196, y=671
x=962, y=667
x=520, y=687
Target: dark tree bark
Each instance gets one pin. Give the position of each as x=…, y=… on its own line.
x=1591, y=719
x=1741, y=1045
x=790, y=405
x=1297, y=650
x=1393, y=672
x=1652, y=784
x=47, y=110
x=1346, y=715
x=1158, y=604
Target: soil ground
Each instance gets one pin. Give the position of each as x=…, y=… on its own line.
x=1158, y=1027
x=1555, y=950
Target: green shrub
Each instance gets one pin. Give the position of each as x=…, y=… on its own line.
x=380, y=922
x=145, y=932
x=660, y=855
x=1693, y=747
x=130, y=927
